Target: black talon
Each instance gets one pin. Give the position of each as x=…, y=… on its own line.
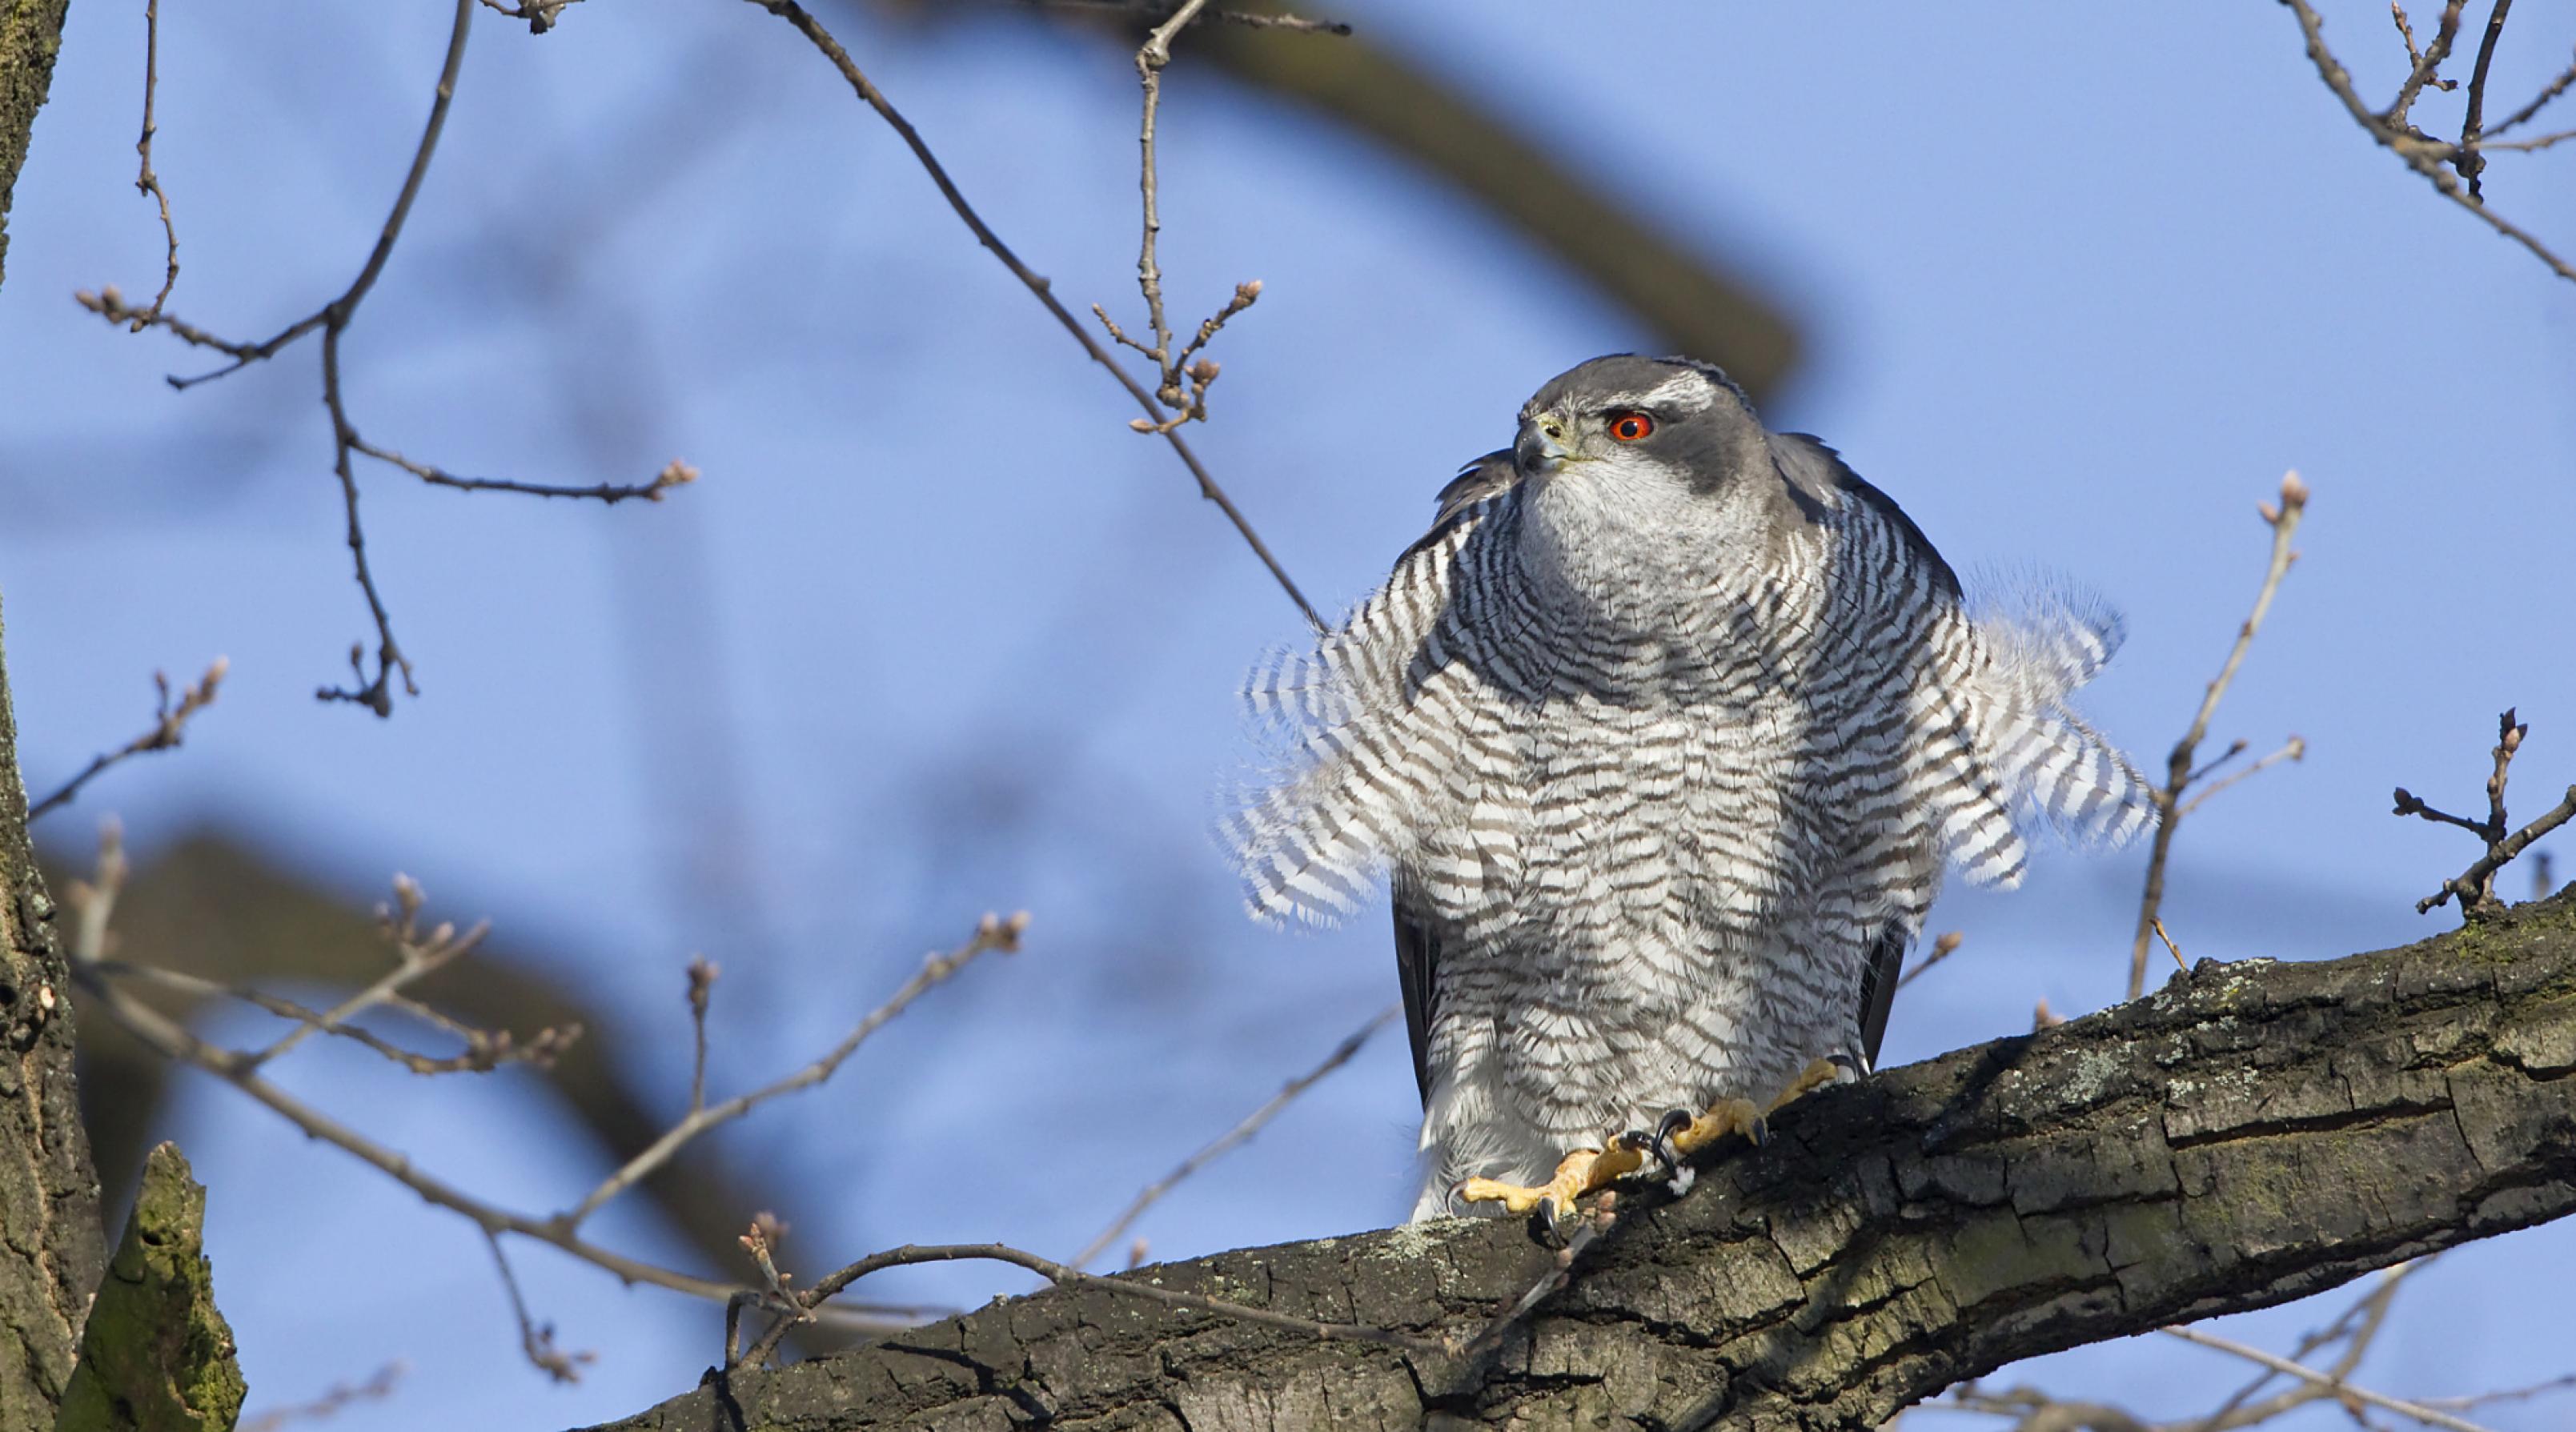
x=1760, y=1133
x=1639, y=1141
x=1551, y=1221
x=1661, y=1145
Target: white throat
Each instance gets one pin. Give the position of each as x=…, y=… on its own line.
x=1627, y=541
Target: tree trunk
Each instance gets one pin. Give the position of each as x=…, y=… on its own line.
x=2252, y=1133
x=51, y=1248
x=30, y=32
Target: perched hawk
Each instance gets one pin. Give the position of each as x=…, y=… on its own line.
x=1664, y=734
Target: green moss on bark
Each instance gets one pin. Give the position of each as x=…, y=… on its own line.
x=157, y=1355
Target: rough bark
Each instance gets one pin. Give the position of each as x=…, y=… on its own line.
x=51, y=1248
x=2249, y=1134
x=31, y=31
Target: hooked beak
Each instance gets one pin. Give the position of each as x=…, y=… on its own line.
x=1541, y=448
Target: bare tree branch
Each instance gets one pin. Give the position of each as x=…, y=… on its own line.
x=145, y=180
x=2251, y=1134
x=1235, y=1137
x=994, y=933
x=1156, y=9
x=332, y=319
x=815, y=34
x=2283, y=519
x=2422, y=153
x=420, y=952
x=169, y=729
x=337, y=1399
x=2475, y=886
x=2334, y=1385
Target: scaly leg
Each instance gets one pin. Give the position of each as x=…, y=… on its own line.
x=1579, y=1173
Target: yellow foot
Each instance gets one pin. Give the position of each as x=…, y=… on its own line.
x=1727, y=1116
x=1682, y=1135
x=1815, y=1076
x=1579, y=1173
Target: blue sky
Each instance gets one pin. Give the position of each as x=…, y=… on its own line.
x=936, y=634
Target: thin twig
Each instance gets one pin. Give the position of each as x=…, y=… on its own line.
x=375, y=695
x=416, y=954
x=1155, y=53
x=483, y=1053
x=339, y=1398
x=2235, y=748
x=2428, y=64
x=1129, y=1285
x=109, y=303
x=374, y=692
x=536, y=1339
x=815, y=34
x=92, y=903
x=2173, y=949
x=2478, y=877
x=169, y=729
x=2511, y=1394
x=2543, y=142
x=702, y=984
x=674, y=474
x=1180, y=384
x=540, y=14
x=2539, y=102
x=1153, y=9
x=2475, y=887
x=2470, y=162
x=2294, y=749
x=995, y=933
x=2357, y=1328
x=1942, y=949
x=1232, y=1138
x=2283, y=519
x=145, y=181
x=2340, y=1388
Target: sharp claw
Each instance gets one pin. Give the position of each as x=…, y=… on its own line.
x=1549, y=1216
x=1661, y=1145
x=1760, y=1133
x=1849, y=1064
x=1652, y=1146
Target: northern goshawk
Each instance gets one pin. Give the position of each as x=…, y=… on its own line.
x=1664, y=734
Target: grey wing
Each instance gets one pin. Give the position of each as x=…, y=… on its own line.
x=1417, y=968
x=1489, y=476
x=1877, y=990
x=1417, y=935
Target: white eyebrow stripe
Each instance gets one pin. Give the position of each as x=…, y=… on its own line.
x=1686, y=390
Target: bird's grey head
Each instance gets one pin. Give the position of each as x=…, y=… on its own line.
x=1646, y=426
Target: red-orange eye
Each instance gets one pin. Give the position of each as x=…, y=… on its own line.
x=1629, y=427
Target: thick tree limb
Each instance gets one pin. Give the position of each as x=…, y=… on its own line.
x=2247, y=1135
